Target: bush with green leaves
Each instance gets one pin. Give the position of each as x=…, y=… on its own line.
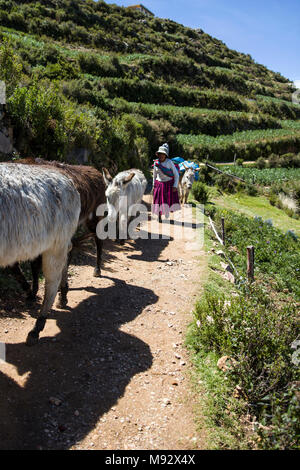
x=282, y=431
x=289, y=160
x=38, y=115
x=200, y=192
x=225, y=183
x=261, y=163
x=62, y=69
x=128, y=144
x=94, y=64
x=49, y=126
x=257, y=336
x=10, y=67
x=249, y=189
x=239, y=162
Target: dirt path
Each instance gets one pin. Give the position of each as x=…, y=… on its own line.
x=111, y=371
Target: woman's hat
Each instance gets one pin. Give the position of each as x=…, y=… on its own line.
x=163, y=149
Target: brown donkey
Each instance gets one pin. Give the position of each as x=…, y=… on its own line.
x=90, y=185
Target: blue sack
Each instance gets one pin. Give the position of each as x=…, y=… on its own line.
x=188, y=164
x=177, y=160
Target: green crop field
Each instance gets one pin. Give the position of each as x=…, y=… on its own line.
x=264, y=176
x=237, y=137
x=248, y=145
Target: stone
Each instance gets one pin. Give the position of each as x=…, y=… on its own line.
x=226, y=362
x=229, y=277
x=226, y=267
x=237, y=392
x=55, y=401
x=220, y=253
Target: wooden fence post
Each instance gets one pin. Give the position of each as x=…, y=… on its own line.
x=223, y=230
x=250, y=263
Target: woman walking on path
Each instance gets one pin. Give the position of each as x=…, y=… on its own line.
x=165, y=184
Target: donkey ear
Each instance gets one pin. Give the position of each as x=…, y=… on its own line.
x=128, y=179
x=107, y=176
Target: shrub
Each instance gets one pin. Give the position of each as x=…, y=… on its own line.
x=62, y=69
x=261, y=163
x=286, y=195
x=273, y=161
x=95, y=65
x=251, y=190
x=283, y=430
x=239, y=162
x=257, y=335
x=49, y=126
x=38, y=115
x=289, y=160
x=10, y=67
x=273, y=199
x=225, y=183
x=200, y=192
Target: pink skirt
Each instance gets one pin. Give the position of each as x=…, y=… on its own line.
x=164, y=199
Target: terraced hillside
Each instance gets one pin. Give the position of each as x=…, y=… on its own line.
x=88, y=78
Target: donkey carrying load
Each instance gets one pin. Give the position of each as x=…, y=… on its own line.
x=186, y=182
x=90, y=184
x=39, y=213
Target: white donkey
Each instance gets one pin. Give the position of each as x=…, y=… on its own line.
x=185, y=184
x=123, y=191
x=39, y=212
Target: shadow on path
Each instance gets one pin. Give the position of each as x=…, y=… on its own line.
x=87, y=367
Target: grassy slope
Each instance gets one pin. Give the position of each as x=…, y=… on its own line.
x=258, y=206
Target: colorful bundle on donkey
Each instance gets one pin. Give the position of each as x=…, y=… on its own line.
x=185, y=164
